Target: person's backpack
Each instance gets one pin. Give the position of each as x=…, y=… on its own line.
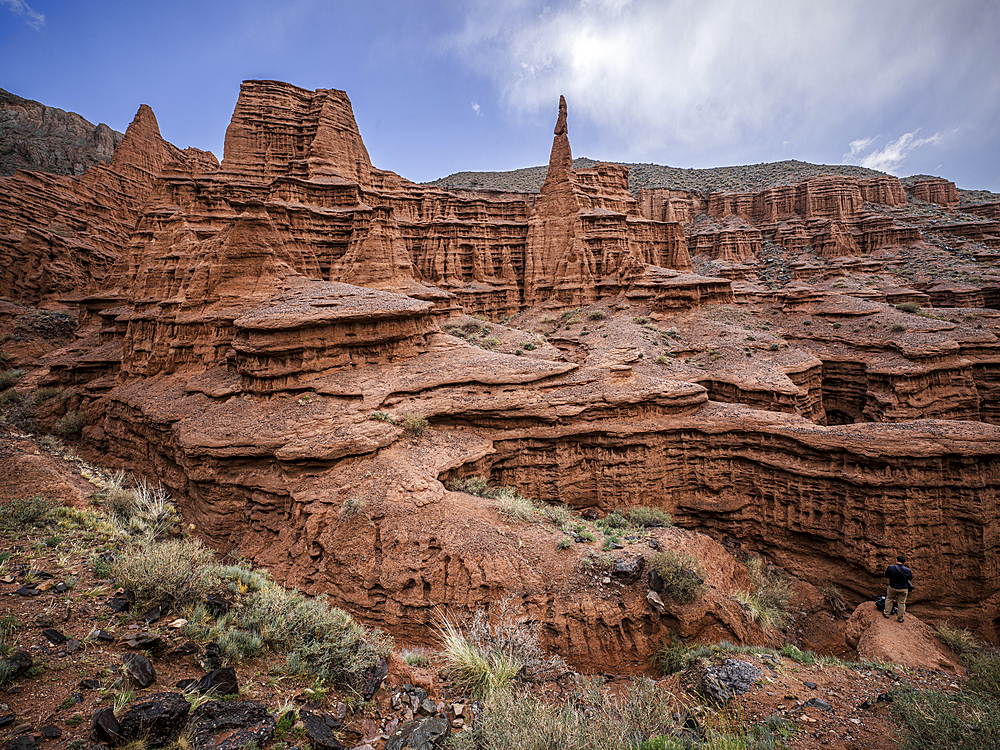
x=880, y=605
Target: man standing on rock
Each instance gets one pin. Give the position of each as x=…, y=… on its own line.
x=899, y=586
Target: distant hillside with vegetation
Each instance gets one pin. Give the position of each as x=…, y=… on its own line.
x=750, y=177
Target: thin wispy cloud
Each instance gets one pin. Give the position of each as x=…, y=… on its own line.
x=891, y=157
x=476, y=108
x=32, y=17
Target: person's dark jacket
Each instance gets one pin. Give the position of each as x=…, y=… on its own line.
x=899, y=576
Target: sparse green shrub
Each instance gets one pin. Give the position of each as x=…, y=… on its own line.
x=319, y=640
x=174, y=570
x=793, y=652
x=596, y=562
x=416, y=424
x=768, y=603
x=28, y=513
x=682, y=576
x=564, y=543
x=416, y=658
x=663, y=358
x=8, y=629
x=558, y=515
x=135, y=508
x=775, y=347
x=479, y=486
x=529, y=346
x=962, y=642
x=511, y=503
x=44, y=394
x=614, y=520
x=491, y=342
x=909, y=307
x=71, y=422
x=648, y=517
x=807, y=322
x=641, y=319
x=9, y=396
x=381, y=416
x=9, y=378
x=597, y=315
x=636, y=718
x=835, y=325
x=673, y=656
x=898, y=328
x=352, y=506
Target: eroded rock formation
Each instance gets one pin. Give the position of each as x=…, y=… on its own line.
x=60, y=235
x=271, y=345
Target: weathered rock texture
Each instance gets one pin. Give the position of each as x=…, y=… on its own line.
x=60, y=235
x=586, y=232
x=37, y=138
x=271, y=344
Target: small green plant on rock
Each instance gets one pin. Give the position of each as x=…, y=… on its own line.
x=682, y=577
x=9, y=378
x=414, y=423
x=71, y=423
x=381, y=416
x=642, y=515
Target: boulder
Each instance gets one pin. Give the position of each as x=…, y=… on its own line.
x=217, y=725
x=159, y=719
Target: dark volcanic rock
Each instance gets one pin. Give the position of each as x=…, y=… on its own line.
x=422, y=734
x=140, y=669
x=220, y=682
x=318, y=732
x=104, y=726
x=159, y=718
x=230, y=726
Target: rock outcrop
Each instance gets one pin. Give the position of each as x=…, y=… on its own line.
x=37, y=138
x=586, y=229
x=61, y=235
x=272, y=345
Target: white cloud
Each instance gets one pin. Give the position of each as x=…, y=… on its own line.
x=33, y=18
x=858, y=146
x=476, y=109
x=890, y=157
x=695, y=76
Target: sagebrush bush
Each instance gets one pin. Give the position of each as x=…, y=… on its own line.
x=174, y=570
x=317, y=639
x=9, y=378
x=495, y=648
x=909, y=307
x=71, y=422
x=682, y=575
x=649, y=517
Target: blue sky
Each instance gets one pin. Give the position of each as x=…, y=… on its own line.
x=908, y=87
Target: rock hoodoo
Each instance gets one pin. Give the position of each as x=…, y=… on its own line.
x=287, y=342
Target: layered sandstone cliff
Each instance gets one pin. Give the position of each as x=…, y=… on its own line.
x=272, y=345
x=61, y=235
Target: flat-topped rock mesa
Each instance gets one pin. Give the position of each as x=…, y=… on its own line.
x=825, y=213
x=60, y=235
